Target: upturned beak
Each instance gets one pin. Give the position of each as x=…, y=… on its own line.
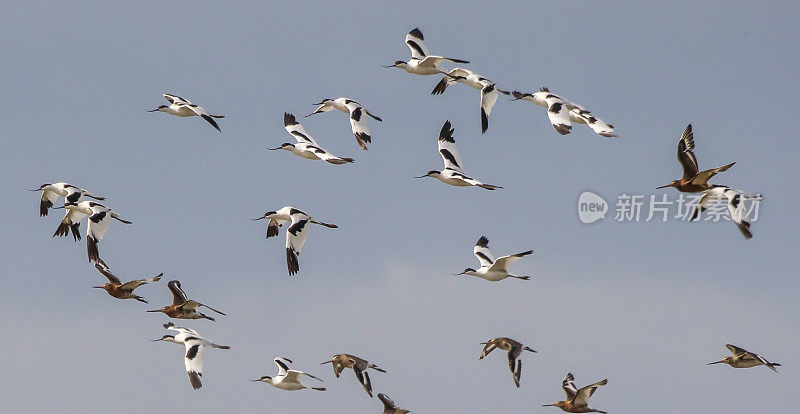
x=153, y=110
x=273, y=149
x=256, y=219
x=35, y=189
x=422, y=176
x=156, y=340
x=721, y=361
x=457, y=274
x=390, y=66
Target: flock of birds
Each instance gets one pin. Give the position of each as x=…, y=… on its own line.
x=80, y=204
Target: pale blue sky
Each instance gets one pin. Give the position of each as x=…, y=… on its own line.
x=645, y=305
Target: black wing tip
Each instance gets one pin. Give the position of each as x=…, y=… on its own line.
x=291, y=261
x=194, y=379
x=92, y=250
x=440, y=87
x=289, y=119
x=459, y=60
x=446, y=134
x=212, y=122
x=272, y=231
x=416, y=32
x=484, y=121
x=563, y=129
x=482, y=242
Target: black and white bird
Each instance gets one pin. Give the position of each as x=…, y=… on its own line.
x=51, y=193
x=183, y=108
x=359, y=366
x=389, y=406
x=514, y=349
x=296, y=233
x=488, y=90
x=737, y=205
x=562, y=113
x=195, y=344
x=287, y=379
x=453, y=172
x=357, y=112
x=99, y=218
x=491, y=269
x=421, y=62
x=306, y=146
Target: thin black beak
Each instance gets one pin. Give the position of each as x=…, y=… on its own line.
x=390, y=66
x=153, y=110
x=273, y=149
x=155, y=310
x=260, y=218
x=665, y=186
x=422, y=176
x=97, y=287
x=327, y=362
x=462, y=273
x=35, y=189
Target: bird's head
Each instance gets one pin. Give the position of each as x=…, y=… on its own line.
x=268, y=215
x=265, y=378
x=166, y=338
x=161, y=108
x=164, y=309
x=285, y=146
x=560, y=404
x=106, y=286
x=41, y=187
x=432, y=173
x=672, y=184
x=398, y=64
x=466, y=271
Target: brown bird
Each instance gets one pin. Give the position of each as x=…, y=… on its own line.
x=743, y=358
x=121, y=290
x=514, y=349
x=182, y=307
x=389, y=407
x=359, y=366
x=577, y=399
x=692, y=180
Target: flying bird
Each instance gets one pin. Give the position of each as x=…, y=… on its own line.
x=182, y=307
x=488, y=90
x=563, y=113
x=743, y=358
x=99, y=218
x=194, y=343
x=296, y=233
x=421, y=63
x=389, y=407
x=736, y=205
x=287, y=379
x=121, y=290
x=358, y=121
x=51, y=193
x=359, y=366
x=577, y=399
x=183, y=108
x=514, y=349
x=692, y=180
x=453, y=172
x=306, y=146
x=491, y=269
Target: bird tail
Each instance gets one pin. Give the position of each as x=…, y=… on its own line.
x=318, y=388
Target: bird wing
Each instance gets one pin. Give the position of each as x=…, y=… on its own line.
x=194, y=361
x=558, y=113
x=735, y=350
x=363, y=378
x=297, y=232
x=191, y=332
x=178, y=295
x=298, y=132
x=503, y=262
x=568, y=385
x=324, y=155
x=193, y=305
x=455, y=75
x=415, y=42
x=447, y=148
x=583, y=394
x=488, y=98
x=175, y=99
x=388, y=404
x=597, y=125
x=283, y=369
x=703, y=176
x=98, y=221
x=738, y=211
x=48, y=199
x=105, y=271
x=432, y=61
x=488, y=348
x=686, y=154
x=133, y=284
x=358, y=123
x=481, y=251
x=203, y=114
x=515, y=365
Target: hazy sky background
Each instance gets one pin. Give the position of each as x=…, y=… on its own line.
x=645, y=305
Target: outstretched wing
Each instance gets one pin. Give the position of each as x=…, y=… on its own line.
x=415, y=42
x=583, y=394
x=178, y=295
x=194, y=361
x=568, y=385
x=736, y=350
x=482, y=252
x=686, y=154
x=558, y=113
x=503, y=262
x=597, y=125
x=105, y=271
x=358, y=123
x=175, y=99
x=703, y=176
x=488, y=98
x=447, y=148
x=295, y=238
x=133, y=284
x=298, y=132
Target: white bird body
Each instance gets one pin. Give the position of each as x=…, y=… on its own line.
x=358, y=122
x=296, y=234
x=306, y=146
x=562, y=113
x=736, y=201
x=183, y=108
x=99, y=218
x=421, y=62
x=453, y=172
x=51, y=193
x=288, y=379
x=193, y=358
